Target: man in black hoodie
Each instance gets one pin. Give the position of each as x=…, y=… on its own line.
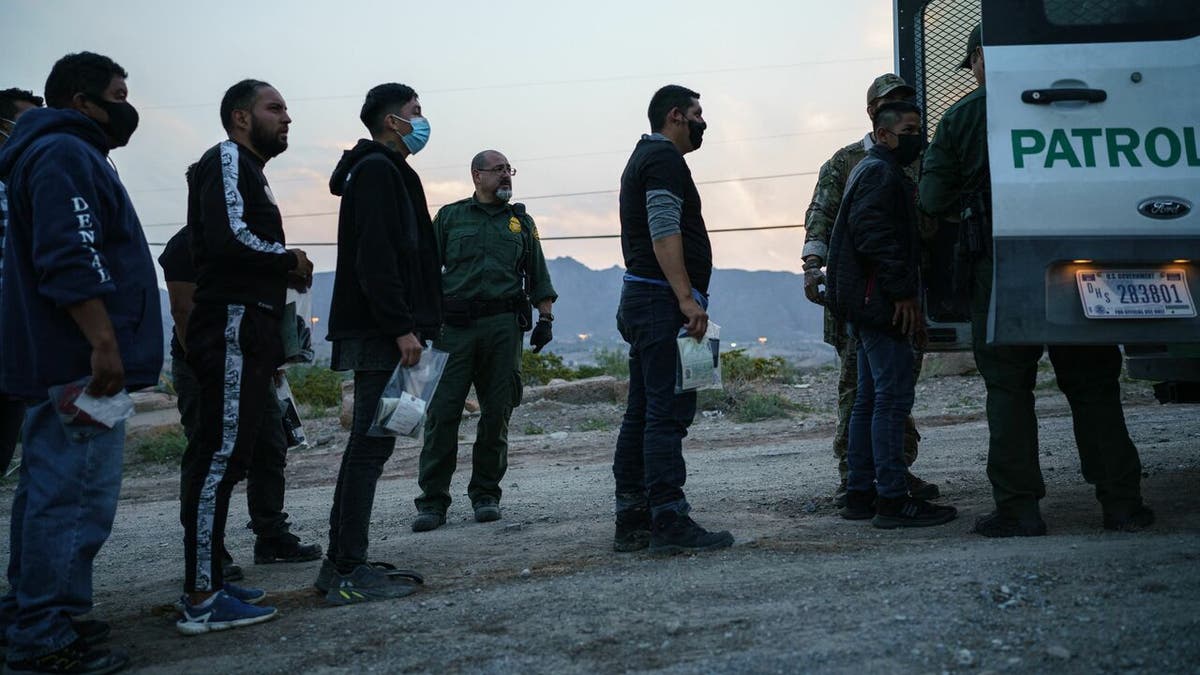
x=874, y=261
x=386, y=304
x=233, y=339
x=80, y=300
x=13, y=103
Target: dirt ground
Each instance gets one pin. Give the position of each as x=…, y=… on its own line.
x=802, y=590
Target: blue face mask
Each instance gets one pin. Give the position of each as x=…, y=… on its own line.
x=418, y=137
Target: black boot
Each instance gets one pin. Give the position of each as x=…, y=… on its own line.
x=860, y=505
x=633, y=531
x=1129, y=520
x=997, y=525
x=284, y=548
x=675, y=533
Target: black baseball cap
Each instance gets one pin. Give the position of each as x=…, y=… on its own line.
x=972, y=43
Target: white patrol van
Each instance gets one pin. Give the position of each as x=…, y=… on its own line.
x=1094, y=151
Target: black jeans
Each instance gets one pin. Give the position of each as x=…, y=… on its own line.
x=12, y=416
x=648, y=462
x=234, y=351
x=362, y=465
x=265, y=482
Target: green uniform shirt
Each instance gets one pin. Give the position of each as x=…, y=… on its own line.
x=827, y=195
x=484, y=247
x=956, y=162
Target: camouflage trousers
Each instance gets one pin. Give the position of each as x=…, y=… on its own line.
x=848, y=389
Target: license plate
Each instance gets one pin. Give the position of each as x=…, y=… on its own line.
x=1135, y=294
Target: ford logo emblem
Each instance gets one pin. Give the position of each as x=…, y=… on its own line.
x=1164, y=208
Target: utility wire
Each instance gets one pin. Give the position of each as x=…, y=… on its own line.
x=570, y=237
x=317, y=214
x=554, y=83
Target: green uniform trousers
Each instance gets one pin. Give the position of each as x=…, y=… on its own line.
x=1088, y=376
x=848, y=389
x=487, y=354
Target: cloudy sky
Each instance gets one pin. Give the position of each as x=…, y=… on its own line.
x=560, y=87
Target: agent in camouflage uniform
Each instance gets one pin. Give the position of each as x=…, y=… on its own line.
x=818, y=224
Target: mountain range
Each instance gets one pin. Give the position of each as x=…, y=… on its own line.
x=764, y=312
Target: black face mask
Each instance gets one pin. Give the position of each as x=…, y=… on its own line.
x=122, y=121
x=909, y=149
x=696, y=133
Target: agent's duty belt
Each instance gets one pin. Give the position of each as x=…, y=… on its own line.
x=478, y=309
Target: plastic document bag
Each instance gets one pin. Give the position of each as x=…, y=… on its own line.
x=699, y=364
x=296, y=327
x=84, y=416
x=402, y=406
x=293, y=428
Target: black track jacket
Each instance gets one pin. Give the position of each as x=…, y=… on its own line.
x=236, y=231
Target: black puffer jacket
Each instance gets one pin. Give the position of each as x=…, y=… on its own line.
x=874, y=251
x=388, y=281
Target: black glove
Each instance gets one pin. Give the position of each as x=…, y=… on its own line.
x=541, y=336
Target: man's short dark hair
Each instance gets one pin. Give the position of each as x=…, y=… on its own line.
x=384, y=100
x=83, y=73
x=240, y=96
x=9, y=98
x=480, y=161
x=667, y=99
x=889, y=114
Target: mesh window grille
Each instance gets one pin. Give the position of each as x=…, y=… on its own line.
x=941, y=37
x=1109, y=12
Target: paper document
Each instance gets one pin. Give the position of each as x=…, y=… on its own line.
x=699, y=361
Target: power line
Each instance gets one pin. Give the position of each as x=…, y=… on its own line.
x=544, y=158
x=588, y=193
x=573, y=237
x=723, y=229
x=553, y=83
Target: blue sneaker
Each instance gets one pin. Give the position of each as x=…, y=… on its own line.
x=250, y=596
x=222, y=611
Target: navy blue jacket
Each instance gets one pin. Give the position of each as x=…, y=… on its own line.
x=874, y=251
x=72, y=236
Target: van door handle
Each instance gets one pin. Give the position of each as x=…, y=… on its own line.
x=1046, y=96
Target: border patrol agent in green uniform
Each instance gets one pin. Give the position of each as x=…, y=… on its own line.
x=955, y=177
x=818, y=224
x=494, y=272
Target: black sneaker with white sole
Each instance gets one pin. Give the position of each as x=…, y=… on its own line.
x=908, y=512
